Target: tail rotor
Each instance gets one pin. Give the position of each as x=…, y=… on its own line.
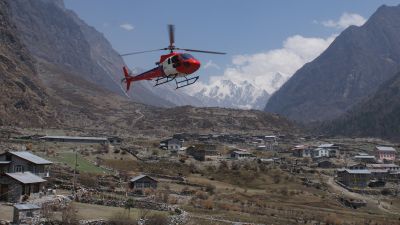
x=127, y=79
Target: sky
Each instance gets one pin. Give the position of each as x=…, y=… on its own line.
x=261, y=37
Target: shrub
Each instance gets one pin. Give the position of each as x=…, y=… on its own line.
x=276, y=178
x=201, y=195
x=88, y=180
x=210, y=189
x=284, y=191
x=69, y=216
x=207, y=204
x=386, y=191
x=157, y=219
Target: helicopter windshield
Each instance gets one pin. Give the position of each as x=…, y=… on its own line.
x=186, y=56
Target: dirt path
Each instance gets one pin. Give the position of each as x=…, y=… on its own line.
x=371, y=200
x=221, y=220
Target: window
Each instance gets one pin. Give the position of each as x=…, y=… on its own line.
x=187, y=56
x=19, y=168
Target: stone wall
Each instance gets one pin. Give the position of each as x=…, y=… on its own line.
x=14, y=188
x=26, y=216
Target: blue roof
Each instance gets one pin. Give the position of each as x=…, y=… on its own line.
x=31, y=157
x=75, y=138
x=26, y=177
x=26, y=206
x=358, y=171
x=140, y=177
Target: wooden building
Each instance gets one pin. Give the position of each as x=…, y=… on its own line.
x=142, y=182
x=354, y=178
x=203, y=152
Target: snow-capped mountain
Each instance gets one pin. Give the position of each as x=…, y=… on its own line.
x=226, y=93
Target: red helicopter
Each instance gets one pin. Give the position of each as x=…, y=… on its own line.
x=173, y=66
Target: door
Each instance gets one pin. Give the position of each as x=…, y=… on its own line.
x=4, y=192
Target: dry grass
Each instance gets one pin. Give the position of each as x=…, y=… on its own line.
x=6, y=212
x=88, y=211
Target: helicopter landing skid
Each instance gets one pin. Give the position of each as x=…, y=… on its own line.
x=183, y=82
x=186, y=82
x=165, y=79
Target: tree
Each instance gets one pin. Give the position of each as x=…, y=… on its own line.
x=130, y=203
x=69, y=216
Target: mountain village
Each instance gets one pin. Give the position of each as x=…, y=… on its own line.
x=45, y=178
x=319, y=147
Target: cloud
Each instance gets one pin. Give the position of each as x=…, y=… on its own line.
x=211, y=64
x=269, y=70
x=127, y=26
x=346, y=20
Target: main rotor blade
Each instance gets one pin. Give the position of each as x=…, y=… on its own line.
x=134, y=53
x=194, y=50
x=171, y=32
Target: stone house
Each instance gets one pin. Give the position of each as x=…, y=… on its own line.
x=15, y=185
x=303, y=151
x=171, y=144
x=326, y=164
x=14, y=162
x=240, y=154
x=357, y=166
x=203, y=152
x=26, y=214
x=364, y=158
x=389, y=166
x=142, y=182
x=21, y=174
x=354, y=178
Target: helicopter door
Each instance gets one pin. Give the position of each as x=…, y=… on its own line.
x=168, y=66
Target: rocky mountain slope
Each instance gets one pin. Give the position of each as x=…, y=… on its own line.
x=23, y=100
x=225, y=93
x=378, y=116
x=352, y=68
x=55, y=35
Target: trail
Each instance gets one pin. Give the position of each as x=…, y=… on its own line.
x=141, y=115
x=222, y=220
x=369, y=199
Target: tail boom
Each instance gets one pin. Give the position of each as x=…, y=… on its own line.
x=148, y=75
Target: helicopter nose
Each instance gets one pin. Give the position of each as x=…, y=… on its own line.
x=196, y=64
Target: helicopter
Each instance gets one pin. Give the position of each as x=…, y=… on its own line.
x=175, y=66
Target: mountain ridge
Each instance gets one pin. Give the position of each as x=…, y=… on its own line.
x=353, y=66
x=377, y=116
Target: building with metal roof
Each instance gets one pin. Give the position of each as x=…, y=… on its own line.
x=141, y=182
x=385, y=153
x=76, y=139
x=26, y=214
x=26, y=177
x=21, y=174
x=29, y=157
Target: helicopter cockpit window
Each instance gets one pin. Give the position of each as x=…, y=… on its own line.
x=175, y=59
x=186, y=56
